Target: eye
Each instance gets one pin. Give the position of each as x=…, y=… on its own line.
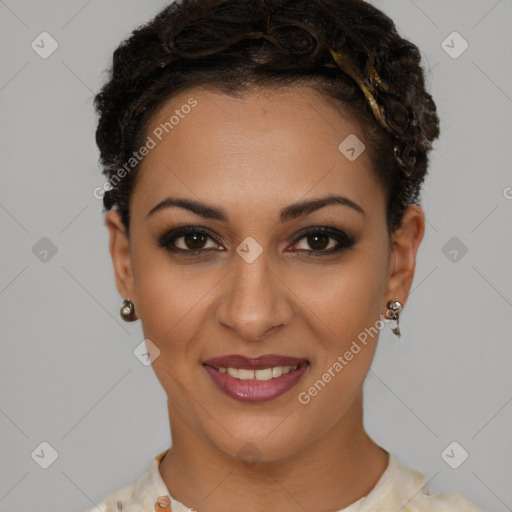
x=324, y=240
x=188, y=239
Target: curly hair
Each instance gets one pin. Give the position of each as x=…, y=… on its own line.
x=347, y=50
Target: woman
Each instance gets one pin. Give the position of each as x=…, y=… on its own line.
x=264, y=163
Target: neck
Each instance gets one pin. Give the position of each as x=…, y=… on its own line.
x=332, y=472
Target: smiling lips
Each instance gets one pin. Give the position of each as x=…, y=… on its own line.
x=255, y=379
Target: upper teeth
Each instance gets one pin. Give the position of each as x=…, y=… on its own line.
x=263, y=374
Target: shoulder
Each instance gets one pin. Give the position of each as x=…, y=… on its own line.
x=403, y=488
x=141, y=495
x=443, y=502
x=121, y=500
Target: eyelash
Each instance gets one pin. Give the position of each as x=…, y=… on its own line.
x=344, y=240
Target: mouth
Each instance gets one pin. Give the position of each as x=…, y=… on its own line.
x=256, y=379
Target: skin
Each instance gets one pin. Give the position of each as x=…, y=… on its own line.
x=253, y=156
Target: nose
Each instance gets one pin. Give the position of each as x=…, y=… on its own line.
x=254, y=299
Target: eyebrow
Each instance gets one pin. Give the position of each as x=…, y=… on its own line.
x=288, y=213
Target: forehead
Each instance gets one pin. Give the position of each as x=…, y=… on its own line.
x=272, y=146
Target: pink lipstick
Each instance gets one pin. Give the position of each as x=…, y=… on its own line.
x=255, y=379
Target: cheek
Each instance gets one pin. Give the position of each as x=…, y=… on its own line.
x=344, y=311
x=168, y=294
x=345, y=299
x=347, y=336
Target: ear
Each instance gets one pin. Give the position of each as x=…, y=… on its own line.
x=405, y=242
x=120, y=254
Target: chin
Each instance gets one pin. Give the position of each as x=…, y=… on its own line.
x=269, y=439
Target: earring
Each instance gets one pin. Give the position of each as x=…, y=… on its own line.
x=127, y=311
x=394, y=307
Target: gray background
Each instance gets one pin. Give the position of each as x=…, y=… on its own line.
x=68, y=375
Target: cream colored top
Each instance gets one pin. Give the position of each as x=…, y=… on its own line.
x=399, y=489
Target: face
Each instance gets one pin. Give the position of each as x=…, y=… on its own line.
x=268, y=272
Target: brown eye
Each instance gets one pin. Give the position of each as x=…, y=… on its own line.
x=194, y=241
x=188, y=239
x=318, y=242
x=323, y=241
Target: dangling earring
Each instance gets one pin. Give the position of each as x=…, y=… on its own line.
x=127, y=311
x=394, y=307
